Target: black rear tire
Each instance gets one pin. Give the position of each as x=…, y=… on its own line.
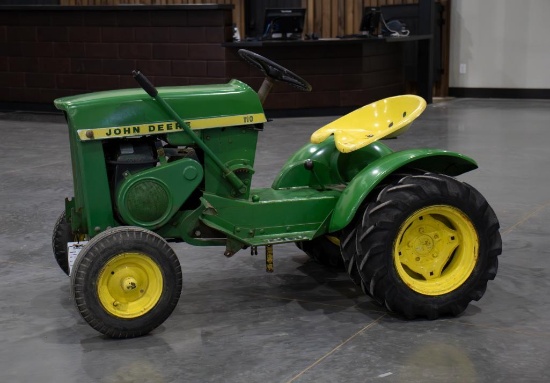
x=348, y=249
x=419, y=234
x=126, y=282
x=324, y=251
x=349, y=243
x=62, y=234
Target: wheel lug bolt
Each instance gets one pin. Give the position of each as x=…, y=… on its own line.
x=417, y=259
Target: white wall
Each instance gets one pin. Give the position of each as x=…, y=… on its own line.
x=504, y=44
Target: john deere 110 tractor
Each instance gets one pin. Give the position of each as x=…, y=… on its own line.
x=175, y=164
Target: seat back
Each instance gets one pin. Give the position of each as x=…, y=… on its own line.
x=386, y=118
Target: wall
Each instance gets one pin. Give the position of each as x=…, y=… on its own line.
x=238, y=10
x=328, y=18
x=53, y=53
x=504, y=44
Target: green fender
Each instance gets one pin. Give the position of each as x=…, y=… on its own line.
x=432, y=160
x=330, y=166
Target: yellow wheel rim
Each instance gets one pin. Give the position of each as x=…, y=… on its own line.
x=436, y=250
x=129, y=285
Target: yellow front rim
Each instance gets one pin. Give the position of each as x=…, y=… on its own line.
x=129, y=285
x=436, y=250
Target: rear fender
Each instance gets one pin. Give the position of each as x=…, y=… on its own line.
x=430, y=160
x=330, y=166
x=293, y=173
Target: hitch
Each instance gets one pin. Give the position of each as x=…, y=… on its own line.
x=269, y=258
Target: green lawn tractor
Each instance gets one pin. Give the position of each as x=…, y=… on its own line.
x=175, y=164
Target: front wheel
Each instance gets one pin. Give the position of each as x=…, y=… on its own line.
x=126, y=281
x=427, y=246
x=62, y=235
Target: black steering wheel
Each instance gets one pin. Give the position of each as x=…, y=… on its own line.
x=274, y=70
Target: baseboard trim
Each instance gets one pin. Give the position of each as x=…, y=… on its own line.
x=499, y=93
x=28, y=107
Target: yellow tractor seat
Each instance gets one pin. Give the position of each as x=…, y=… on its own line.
x=385, y=118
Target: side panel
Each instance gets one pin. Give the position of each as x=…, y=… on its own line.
x=433, y=160
x=91, y=209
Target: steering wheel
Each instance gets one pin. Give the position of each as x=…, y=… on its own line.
x=274, y=70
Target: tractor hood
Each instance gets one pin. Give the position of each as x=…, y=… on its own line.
x=203, y=106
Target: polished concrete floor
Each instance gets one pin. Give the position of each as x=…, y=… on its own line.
x=303, y=323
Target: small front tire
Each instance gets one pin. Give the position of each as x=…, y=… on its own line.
x=61, y=236
x=126, y=282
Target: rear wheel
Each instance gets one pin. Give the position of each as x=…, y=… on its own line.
x=349, y=244
x=126, y=281
x=427, y=246
x=324, y=250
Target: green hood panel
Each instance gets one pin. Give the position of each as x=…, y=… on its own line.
x=127, y=107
